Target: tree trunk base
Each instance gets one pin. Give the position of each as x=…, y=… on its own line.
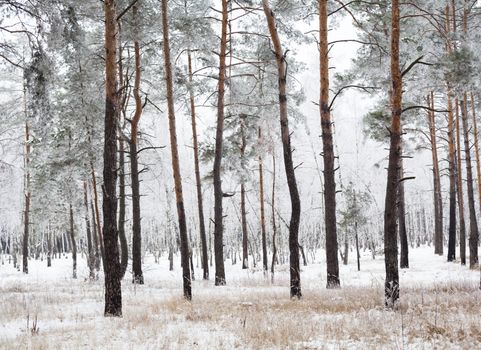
x=139, y=279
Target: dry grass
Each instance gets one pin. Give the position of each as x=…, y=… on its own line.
x=345, y=318
x=244, y=315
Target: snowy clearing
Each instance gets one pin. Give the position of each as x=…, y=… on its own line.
x=439, y=309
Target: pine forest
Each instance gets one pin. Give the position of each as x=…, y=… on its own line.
x=240, y=174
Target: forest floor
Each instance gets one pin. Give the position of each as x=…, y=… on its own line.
x=440, y=309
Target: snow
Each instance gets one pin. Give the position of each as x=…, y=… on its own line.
x=439, y=308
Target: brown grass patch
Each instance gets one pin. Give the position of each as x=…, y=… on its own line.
x=447, y=315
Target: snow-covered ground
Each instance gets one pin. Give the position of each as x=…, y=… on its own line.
x=440, y=308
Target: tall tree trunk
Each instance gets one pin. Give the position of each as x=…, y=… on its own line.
x=438, y=202
x=94, y=203
x=49, y=246
x=124, y=248
x=358, y=255
x=58, y=244
x=425, y=235
x=95, y=237
x=113, y=292
x=245, y=240
x=391, y=287
x=473, y=224
x=328, y=153
x=137, y=275
x=184, y=241
x=198, y=182
x=262, y=209
x=403, y=236
x=452, y=182
x=459, y=180
x=171, y=257
x=26, y=213
x=218, y=194
x=66, y=242
x=273, y=215
x=295, y=271
x=192, y=273
x=91, y=258
x=90, y=250
x=14, y=255
x=345, y=255
x=74, y=243
x=476, y=147
x=452, y=157
x=97, y=216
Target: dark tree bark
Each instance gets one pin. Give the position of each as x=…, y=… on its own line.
x=26, y=213
x=403, y=236
x=73, y=242
x=476, y=149
x=57, y=246
x=473, y=224
x=94, y=204
x=438, y=202
x=358, y=255
x=460, y=192
x=452, y=183
x=124, y=248
x=273, y=216
x=262, y=209
x=171, y=258
x=218, y=194
x=295, y=271
x=90, y=249
x=391, y=287
x=184, y=240
x=328, y=153
x=95, y=238
x=191, y=260
x=345, y=255
x=137, y=275
x=452, y=153
x=49, y=246
x=113, y=292
x=198, y=182
x=65, y=242
x=245, y=240
x=423, y=221
x=100, y=240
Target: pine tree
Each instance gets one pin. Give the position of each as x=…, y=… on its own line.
x=391, y=287
x=184, y=243
x=295, y=276
x=113, y=292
